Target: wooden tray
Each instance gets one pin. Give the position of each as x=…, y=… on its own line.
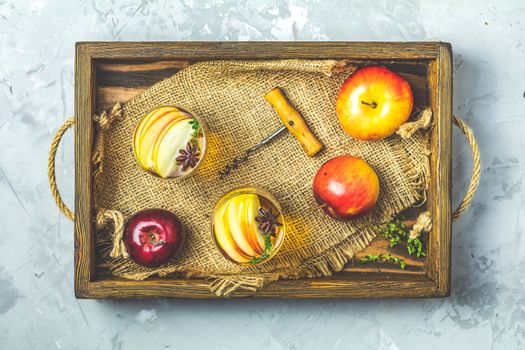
x=109, y=72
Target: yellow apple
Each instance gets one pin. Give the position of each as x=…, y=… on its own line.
x=373, y=103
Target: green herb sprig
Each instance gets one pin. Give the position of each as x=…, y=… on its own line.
x=383, y=258
x=398, y=234
x=195, y=126
x=268, y=246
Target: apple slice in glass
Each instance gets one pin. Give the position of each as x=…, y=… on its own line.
x=247, y=226
x=169, y=142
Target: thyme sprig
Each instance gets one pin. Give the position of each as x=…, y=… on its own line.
x=196, y=127
x=383, y=258
x=398, y=234
x=268, y=246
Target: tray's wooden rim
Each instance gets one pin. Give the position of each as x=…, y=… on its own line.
x=435, y=283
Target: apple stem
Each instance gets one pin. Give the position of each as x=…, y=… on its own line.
x=373, y=104
x=153, y=240
x=321, y=206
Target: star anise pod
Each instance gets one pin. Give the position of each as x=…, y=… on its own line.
x=188, y=157
x=267, y=221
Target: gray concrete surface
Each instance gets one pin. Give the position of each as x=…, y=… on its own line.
x=38, y=309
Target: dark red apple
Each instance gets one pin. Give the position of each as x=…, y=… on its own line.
x=346, y=187
x=153, y=236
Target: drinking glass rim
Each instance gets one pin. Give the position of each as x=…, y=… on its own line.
x=260, y=192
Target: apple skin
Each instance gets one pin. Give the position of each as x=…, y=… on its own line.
x=158, y=138
x=235, y=229
x=153, y=236
x=373, y=102
x=346, y=187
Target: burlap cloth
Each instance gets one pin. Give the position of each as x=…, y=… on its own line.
x=229, y=97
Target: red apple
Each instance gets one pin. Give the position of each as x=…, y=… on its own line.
x=346, y=187
x=373, y=103
x=153, y=236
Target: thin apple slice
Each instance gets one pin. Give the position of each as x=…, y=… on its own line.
x=251, y=225
x=236, y=217
x=151, y=139
x=223, y=235
x=168, y=145
x=146, y=136
x=246, y=226
x=145, y=125
x=152, y=117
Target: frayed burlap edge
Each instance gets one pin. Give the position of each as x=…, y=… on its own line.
x=333, y=260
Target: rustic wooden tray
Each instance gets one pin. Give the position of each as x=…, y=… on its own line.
x=109, y=72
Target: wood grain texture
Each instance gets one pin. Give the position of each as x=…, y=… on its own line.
x=363, y=286
x=120, y=81
x=84, y=239
x=118, y=71
x=441, y=159
x=415, y=266
x=203, y=50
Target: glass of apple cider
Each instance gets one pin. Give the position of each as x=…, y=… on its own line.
x=169, y=142
x=248, y=226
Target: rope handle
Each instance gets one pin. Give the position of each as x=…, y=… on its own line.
x=476, y=167
x=465, y=129
x=51, y=169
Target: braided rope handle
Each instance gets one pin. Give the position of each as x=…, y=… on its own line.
x=467, y=131
x=476, y=167
x=51, y=169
